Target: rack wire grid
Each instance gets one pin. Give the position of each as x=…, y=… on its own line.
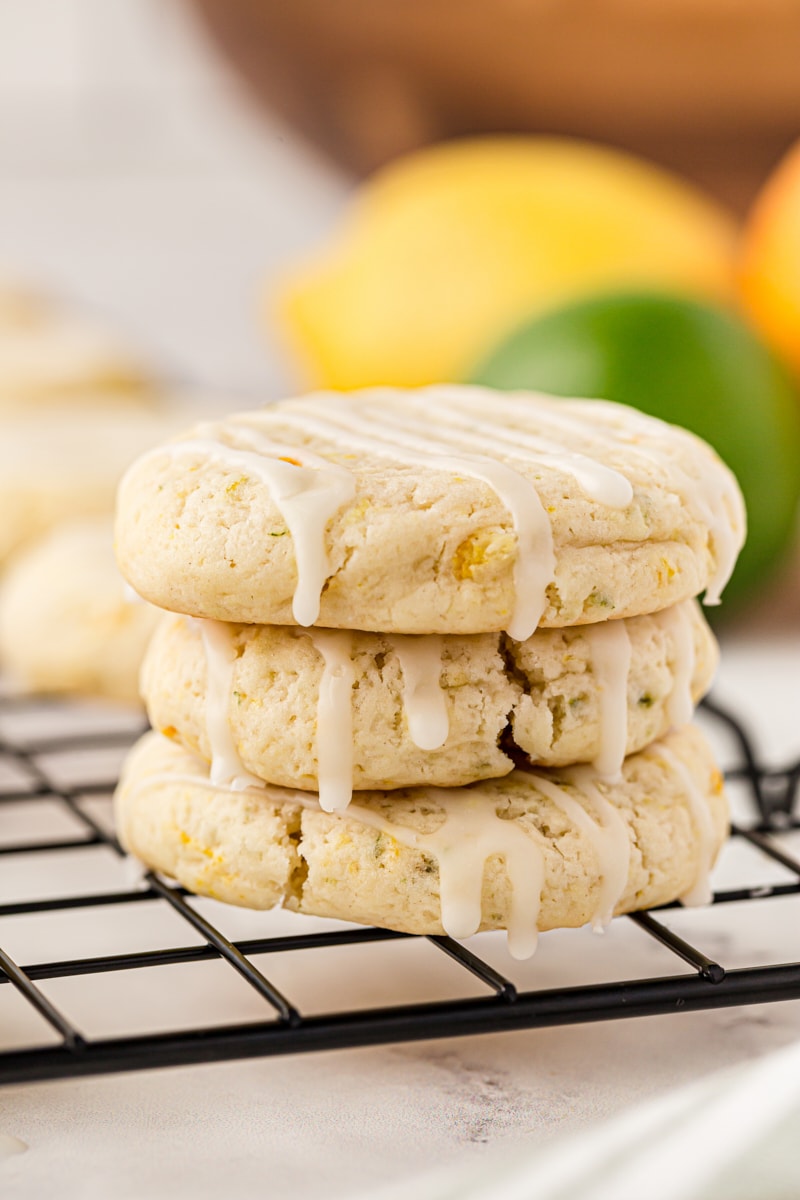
x=58, y=765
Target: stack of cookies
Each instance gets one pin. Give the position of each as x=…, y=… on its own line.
x=434, y=659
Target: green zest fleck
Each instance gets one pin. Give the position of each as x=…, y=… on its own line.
x=599, y=600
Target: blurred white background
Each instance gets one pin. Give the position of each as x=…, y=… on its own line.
x=135, y=178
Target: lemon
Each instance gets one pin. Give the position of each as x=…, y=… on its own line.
x=445, y=250
x=694, y=365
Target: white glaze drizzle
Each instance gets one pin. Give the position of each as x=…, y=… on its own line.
x=601, y=483
x=711, y=492
x=534, y=568
x=424, y=699
x=610, y=648
x=271, y=793
x=334, y=718
x=470, y=834
x=677, y=624
x=227, y=769
x=609, y=837
x=700, y=890
x=307, y=496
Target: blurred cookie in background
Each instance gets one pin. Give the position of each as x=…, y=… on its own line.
x=75, y=408
x=50, y=355
x=67, y=621
x=66, y=462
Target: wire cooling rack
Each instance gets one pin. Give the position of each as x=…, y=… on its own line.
x=57, y=789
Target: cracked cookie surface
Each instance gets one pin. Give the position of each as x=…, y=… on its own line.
x=549, y=698
x=380, y=862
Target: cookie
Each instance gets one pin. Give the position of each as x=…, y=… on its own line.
x=49, y=355
x=441, y=510
x=68, y=464
x=529, y=852
x=331, y=710
x=66, y=624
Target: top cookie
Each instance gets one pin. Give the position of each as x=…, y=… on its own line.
x=438, y=510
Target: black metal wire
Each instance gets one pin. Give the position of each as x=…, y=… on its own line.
x=706, y=967
x=23, y=982
x=227, y=950
x=285, y=1029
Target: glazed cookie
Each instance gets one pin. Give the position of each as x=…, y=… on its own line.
x=533, y=851
x=68, y=465
x=48, y=355
x=65, y=623
x=329, y=710
x=442, y=510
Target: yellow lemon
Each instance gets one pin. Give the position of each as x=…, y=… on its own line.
x=445, y=250
x=770, y=258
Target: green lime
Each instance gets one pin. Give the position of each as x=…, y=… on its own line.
x=690, y=364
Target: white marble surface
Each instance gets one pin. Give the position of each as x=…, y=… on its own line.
x=167, y=210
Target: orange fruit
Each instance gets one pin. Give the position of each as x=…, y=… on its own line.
x=769, y=268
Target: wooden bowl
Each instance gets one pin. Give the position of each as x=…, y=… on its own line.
x=708, y=87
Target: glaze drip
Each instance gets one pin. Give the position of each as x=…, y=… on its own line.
x=306, y=489
x=700, y=890
x=534, y=568
x=611, y=660
x=334, y=718
x=227, y=768
x=676, y=623
x=713, y=495
x=609, y=837
x=424, y=699
x=471, y=834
